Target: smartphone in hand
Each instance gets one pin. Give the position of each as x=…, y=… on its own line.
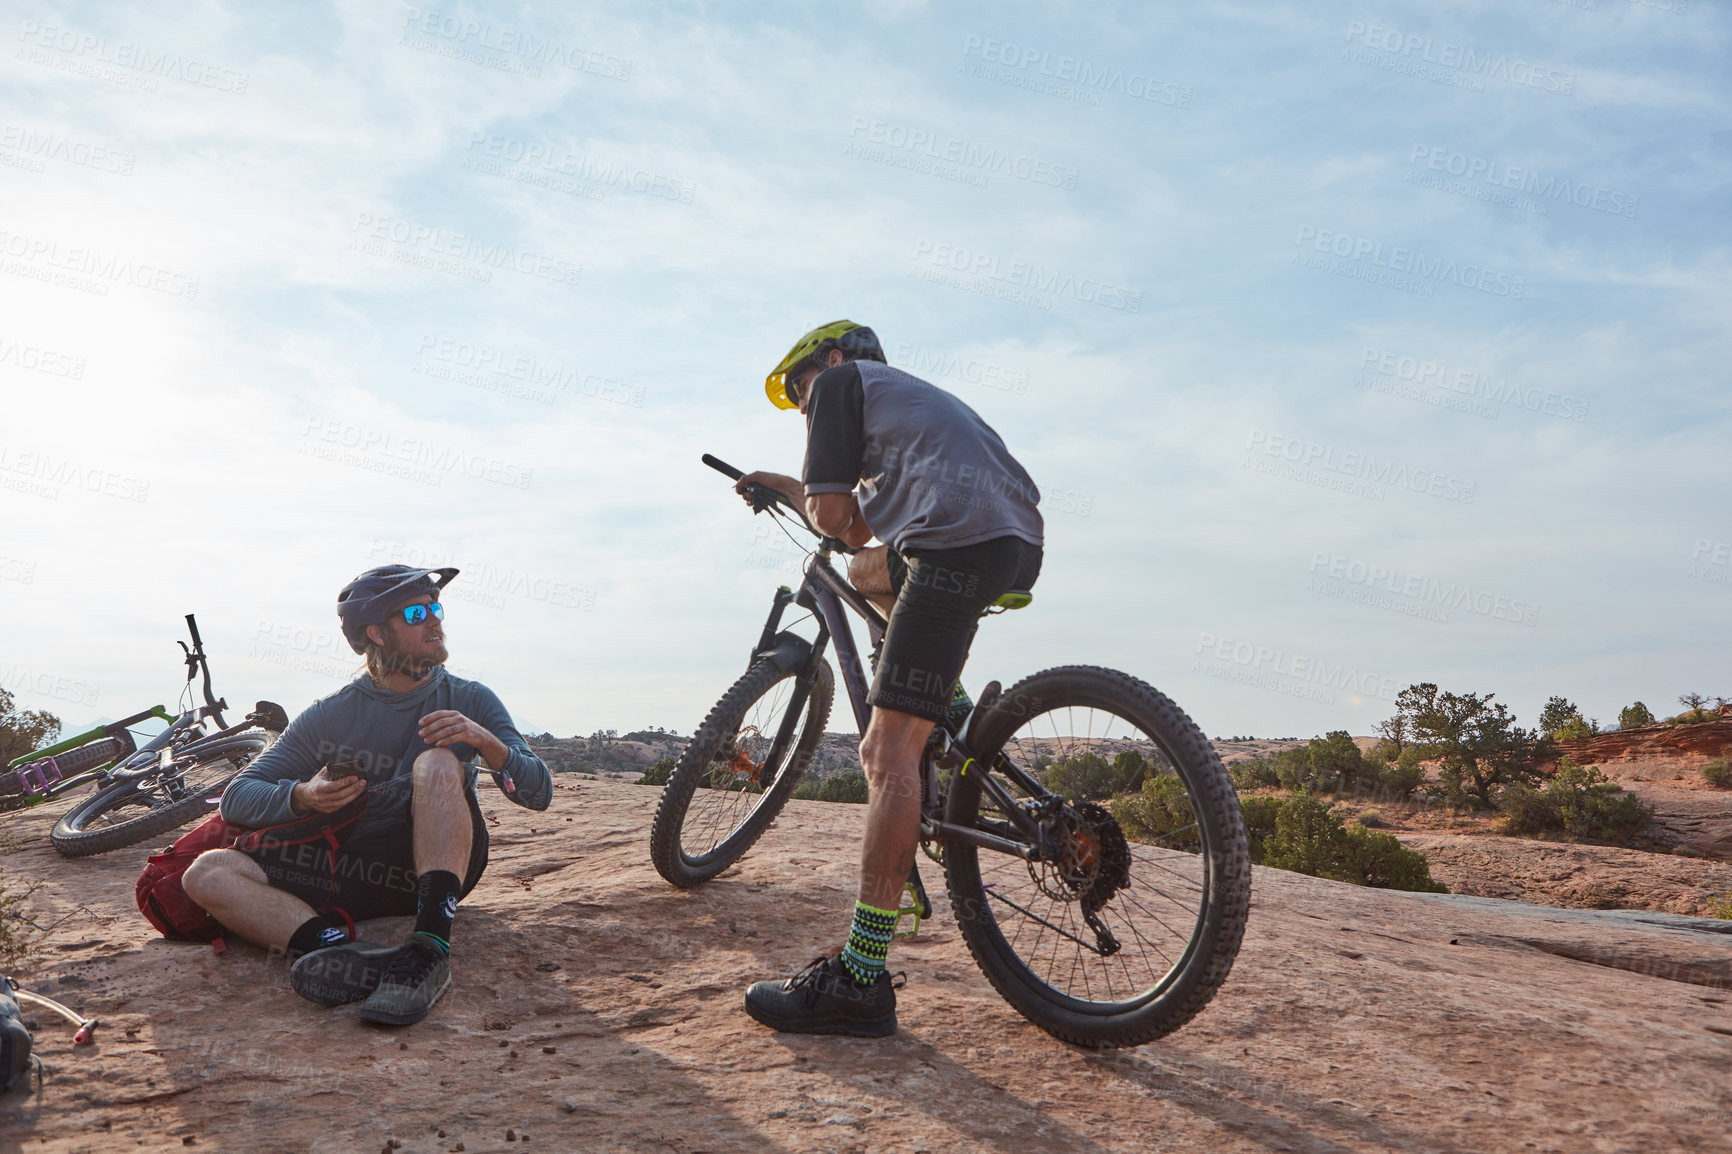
x=343, y=770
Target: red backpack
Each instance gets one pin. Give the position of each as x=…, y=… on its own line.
x=160, y=896
x=164, y=901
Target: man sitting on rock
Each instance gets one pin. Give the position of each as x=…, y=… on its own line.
x=366, y=808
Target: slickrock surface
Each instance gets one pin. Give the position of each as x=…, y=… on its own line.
x=595, y=1008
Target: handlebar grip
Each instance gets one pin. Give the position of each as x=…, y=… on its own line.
x=723, y=467
x=192, y=627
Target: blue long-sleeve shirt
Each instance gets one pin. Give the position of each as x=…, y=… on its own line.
x=380, y=729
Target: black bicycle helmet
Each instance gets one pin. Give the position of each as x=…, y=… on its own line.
x=370, y=597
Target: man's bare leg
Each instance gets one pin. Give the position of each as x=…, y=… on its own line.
x=444, y=829
x=891, y=756
x=869, y=572
x=233, y=887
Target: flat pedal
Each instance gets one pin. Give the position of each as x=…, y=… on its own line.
x=915, y=905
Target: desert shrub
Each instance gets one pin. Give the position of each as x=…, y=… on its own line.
x=1308, y=838
x=1718, y=774
x=1593, y=807
x=1091, y=776
x=17, y=933
x=1160, y=813
x=1526, y=812
x=1400, y=778
x=1633, y=716
x=1575, y=729
x=1260, y=814
x=1370, y=819
x=659, y=772
x=1254, y=773
x=849, y=787
x=1580, y=802
x=1721, y=907
x=22, y=730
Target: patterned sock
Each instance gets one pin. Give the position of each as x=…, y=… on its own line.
x=437, y=905
x=868, y=942
x=316, y=934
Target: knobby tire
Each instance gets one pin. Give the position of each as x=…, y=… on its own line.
x=722, y=725
x=1220, y=924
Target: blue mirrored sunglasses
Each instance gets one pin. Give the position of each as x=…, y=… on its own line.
x=416, y=614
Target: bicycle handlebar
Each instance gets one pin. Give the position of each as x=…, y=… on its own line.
x=763, y=497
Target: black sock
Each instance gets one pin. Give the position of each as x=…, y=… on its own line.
x=438, y=905
x=316, y=934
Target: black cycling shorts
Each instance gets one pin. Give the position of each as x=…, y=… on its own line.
x=940, y=595
x=348, y=870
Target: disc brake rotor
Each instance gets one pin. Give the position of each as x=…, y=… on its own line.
x=1092, y=864
x=742, y=763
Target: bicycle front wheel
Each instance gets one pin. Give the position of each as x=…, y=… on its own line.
x=128, y=811
x=1124, y=929
x=729, y=784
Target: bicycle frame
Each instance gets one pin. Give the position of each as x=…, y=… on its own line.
x=39, y=771
x=824, y=593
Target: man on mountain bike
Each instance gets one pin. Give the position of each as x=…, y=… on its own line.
x=891, y=456
x=368, y=810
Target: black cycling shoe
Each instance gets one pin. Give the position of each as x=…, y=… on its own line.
x=416, y=978
x=340, y=974
x=824, y=998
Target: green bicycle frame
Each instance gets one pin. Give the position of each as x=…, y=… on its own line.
x=89, y=736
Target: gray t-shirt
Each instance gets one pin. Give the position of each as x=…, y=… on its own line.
x=928, y=472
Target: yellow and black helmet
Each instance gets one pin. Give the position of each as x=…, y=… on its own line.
x=857, y=342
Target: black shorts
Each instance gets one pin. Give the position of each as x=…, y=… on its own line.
x=351, y=869
x=940, y=595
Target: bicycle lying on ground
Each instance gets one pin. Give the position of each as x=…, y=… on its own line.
x=1104, y=925
x=177, y=777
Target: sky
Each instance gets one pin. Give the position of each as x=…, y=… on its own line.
x=1351, y=346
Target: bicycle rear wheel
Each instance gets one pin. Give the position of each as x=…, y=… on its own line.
x=1126, y=930
x=85, y=758
x=727, y=786
x=130, y=810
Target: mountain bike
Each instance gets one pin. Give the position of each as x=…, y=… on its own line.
x=176, y=777
x=1091, y=841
